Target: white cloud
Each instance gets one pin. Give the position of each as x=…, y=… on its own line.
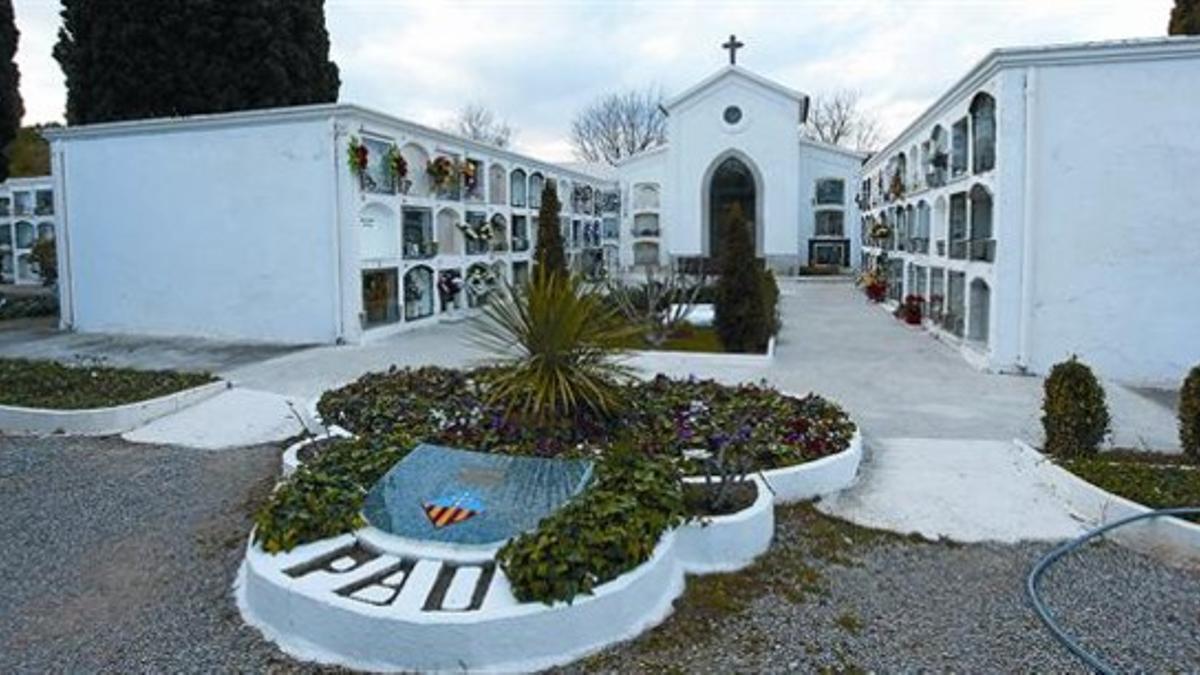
x=535, y=63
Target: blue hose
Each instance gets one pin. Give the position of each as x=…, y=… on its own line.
x=1031, y=583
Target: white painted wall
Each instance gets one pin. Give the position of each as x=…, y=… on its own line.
x=765, y=137
x=818, y=162
x=1116, y=240
x=648, y=168
x=220, y=231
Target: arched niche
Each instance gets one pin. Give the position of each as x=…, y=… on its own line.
x=417, y=160
x=419, y=293
x=450, y=237
x=379, y=237
x=497, y=184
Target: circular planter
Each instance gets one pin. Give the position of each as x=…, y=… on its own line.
x=291, y=456
x=728, y=542
x=816, y=478
x=310, y=620
x=1168, y=538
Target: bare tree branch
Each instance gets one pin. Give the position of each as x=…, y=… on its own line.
x=618, y=125
x=839, y=119
x=477, y=122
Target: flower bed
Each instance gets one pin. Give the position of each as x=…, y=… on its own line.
x=51, y=385
x=1155, y=480
x=641, y=457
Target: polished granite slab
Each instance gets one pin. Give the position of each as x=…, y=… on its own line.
x=454, y=496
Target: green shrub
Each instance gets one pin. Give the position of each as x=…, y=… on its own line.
x=1075, y=415
x=1189, y=414
x=770, y=292
x=324, y=497
x=608, y=530
x=742, y=319
x=559, y=341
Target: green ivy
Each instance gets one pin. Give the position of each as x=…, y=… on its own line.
x=324, y=497
x=47, y=384
x=608, y=530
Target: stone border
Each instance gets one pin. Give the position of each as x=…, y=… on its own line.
x=103, y=421
x=1172, y=539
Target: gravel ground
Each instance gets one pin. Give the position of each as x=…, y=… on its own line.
x=119, y=557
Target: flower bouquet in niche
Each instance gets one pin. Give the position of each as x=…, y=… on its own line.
x=443, y=172
x=470, y=175
x=397, y=169
x=357, y=156
x=449, y=285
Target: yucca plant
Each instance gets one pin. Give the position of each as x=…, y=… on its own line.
x=558, y=344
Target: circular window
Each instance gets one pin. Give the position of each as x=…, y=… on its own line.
x=732, y=115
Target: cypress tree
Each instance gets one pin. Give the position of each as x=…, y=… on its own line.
x=11, y=106
x=147, y=58
x=1185, y=18
x=548, y=255
x=742, y=319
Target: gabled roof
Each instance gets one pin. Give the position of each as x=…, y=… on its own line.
x=738, y=72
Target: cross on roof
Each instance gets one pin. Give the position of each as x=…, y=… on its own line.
x=733, y=45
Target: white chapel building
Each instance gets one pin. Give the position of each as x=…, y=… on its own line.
x=1045, y=205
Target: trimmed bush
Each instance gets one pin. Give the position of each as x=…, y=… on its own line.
x=1075, y=415
x=770, y=292
x=741, y=318
x=1189, y=414
x=548, y=255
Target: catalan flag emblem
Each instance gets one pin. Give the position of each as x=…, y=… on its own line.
x=452, y=509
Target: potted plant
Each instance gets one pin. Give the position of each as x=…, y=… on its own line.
x=911, y=309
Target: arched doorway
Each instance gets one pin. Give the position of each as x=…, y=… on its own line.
x=732, y=182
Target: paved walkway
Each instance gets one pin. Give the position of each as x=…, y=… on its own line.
x=938, y=432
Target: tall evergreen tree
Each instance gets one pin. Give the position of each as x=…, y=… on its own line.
x=148, y=58
x=548, y=256
x=11, y=106
x=1185, y=18
x=742, y=319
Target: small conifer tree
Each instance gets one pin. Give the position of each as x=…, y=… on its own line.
x=742, y=320
x=548, y=255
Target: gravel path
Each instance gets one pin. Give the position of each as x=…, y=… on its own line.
x=119, y=557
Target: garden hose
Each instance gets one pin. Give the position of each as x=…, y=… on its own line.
x=1031, y=583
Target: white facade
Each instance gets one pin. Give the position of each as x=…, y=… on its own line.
x=253, y=226
x=735, y=114
x=26, y=216
x=1063, y=219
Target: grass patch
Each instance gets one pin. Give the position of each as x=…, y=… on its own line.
x=1156, y=480
x=687, y=339
x=46, y=384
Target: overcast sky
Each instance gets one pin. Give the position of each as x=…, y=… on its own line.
x=536, y=63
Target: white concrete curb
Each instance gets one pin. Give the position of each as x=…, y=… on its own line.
x=291, y=457
x=708, y=358
x=311, y=622
x=103, y=421
x=816, y=478
x=730, y=542
x=1168, y=538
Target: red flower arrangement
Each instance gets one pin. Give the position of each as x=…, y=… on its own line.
x=396, y=166
x=910, y=311
x=357, y=155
